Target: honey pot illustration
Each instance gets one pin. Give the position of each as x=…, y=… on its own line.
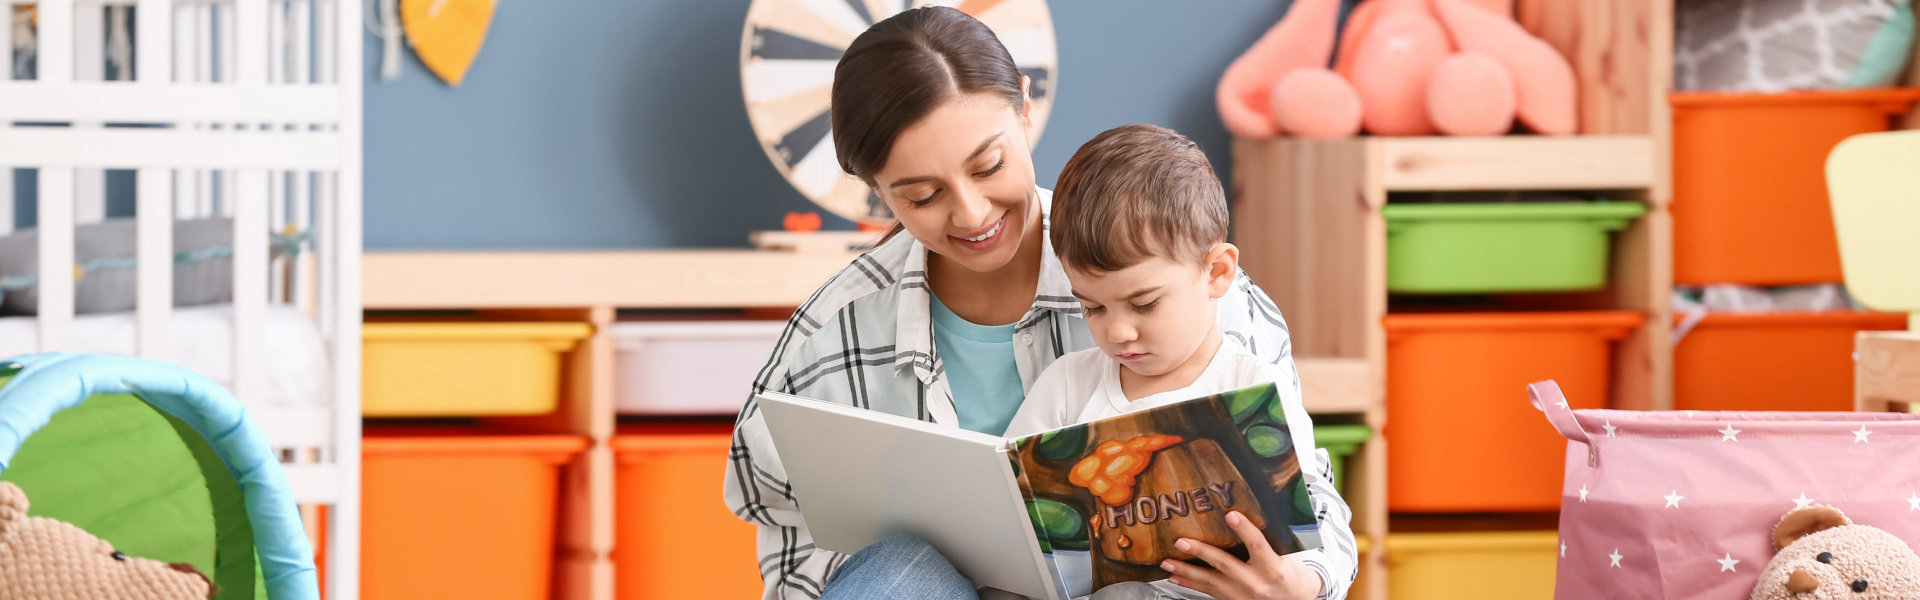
x=1152, y=490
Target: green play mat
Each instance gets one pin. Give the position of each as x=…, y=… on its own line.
x=143, y=481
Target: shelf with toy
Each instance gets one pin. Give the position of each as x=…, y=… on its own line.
x=1445, y=96
x=1309, y=221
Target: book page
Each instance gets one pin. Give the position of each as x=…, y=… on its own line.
x=1109, y=498
x=862, y=476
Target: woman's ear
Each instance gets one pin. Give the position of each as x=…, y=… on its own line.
x=1223, y=265
x=1026, y=104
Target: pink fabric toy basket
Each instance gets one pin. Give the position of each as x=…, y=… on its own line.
x=1681, y=504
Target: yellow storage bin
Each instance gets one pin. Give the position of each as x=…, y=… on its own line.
x=1479, y=566
x=463, y=369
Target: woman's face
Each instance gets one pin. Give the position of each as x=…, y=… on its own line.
x=961, y=181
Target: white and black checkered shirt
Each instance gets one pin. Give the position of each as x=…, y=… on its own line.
x=866, y=339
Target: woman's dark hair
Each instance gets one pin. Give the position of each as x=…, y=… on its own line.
x=903, y=67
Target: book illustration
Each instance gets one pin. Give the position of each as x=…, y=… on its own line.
x=1193, y=478
x=1109, y=499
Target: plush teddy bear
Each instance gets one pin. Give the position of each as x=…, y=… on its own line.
x=45, y=559
x=1820, y=553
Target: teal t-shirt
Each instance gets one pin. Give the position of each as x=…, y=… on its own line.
x=980, y=370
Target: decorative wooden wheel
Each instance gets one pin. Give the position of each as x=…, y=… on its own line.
x=787, y=53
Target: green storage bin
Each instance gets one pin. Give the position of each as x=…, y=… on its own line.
x=1510, y=247
x=1341, y=442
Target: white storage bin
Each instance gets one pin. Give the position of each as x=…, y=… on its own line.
x=688, y=367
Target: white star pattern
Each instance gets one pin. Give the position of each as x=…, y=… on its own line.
x=1729, y=434
x=1610, y=429
x=1562, y=404
x=1616, y=558
x=1913, y=501
x=1563, y=549
x=1860, y=437
x=1726, y=564
x=1802, y=502
x=1673, y=499
x=1583, y=493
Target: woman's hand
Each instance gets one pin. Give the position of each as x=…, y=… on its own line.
x=1266, y=576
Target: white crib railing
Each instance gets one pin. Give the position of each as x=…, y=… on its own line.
x=248, y=109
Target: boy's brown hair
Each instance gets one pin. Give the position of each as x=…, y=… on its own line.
x=1135, y=192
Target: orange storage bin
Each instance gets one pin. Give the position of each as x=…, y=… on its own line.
x=1463, y=438
x=451, y=513
x=1771, y=361
x=1749, y=181
x=673, y=534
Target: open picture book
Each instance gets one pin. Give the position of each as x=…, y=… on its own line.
x=1055, y=515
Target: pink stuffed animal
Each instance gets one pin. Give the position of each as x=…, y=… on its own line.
x=1303, y=39
x=1391, y=64
x=1544, y=78
x=1471, y=94
x=1404, y=67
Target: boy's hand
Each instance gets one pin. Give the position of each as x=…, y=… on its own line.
x=1267, y=576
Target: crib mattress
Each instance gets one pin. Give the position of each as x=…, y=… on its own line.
x=201, y=338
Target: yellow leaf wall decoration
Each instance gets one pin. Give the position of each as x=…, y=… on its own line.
x=446, y=34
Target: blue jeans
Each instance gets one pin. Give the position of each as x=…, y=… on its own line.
x=898, y=567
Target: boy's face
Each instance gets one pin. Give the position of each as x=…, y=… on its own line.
x=1154, y=316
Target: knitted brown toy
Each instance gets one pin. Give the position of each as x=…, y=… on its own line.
x=1820, y=553
x=44, y=559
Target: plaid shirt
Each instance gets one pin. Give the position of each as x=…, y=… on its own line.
x=866, y=339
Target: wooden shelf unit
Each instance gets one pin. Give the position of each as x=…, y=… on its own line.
x=589, y=287
x=1308, y=221
x=592, y=287
x=1309, y=225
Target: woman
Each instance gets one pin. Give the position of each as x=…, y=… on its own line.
x=953, y=315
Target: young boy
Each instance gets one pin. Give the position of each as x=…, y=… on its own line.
x=1139, y=223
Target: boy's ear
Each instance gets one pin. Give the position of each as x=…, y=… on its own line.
x=1223, y=265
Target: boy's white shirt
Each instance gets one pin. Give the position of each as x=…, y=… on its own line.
x=1084, y=386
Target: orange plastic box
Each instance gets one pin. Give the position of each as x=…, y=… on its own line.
x=1749, y=181
x=455, y=513
x=673, y=535
x=1464, y=438
x=1771, y=361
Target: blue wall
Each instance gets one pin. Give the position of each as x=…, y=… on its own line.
x=621, y=124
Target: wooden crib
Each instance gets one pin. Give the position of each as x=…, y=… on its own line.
x=246, y=111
